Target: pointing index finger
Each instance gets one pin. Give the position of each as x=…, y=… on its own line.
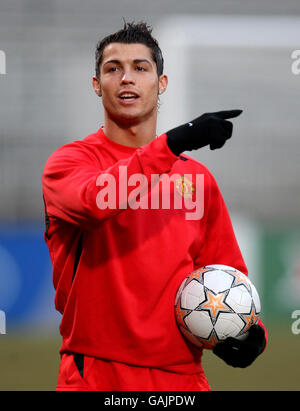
x=228, y=113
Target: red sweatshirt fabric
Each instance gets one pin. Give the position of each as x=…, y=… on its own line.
x=116, y=270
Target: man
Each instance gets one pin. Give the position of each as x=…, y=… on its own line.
x=117, y=261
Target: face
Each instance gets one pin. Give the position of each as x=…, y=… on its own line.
x=129, y=84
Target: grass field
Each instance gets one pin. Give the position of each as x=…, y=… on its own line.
x=31, y=363
x=277, y=369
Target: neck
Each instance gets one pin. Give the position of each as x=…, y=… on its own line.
x=132, y=135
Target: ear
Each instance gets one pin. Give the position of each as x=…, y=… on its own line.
x=97, y=86
x=163, y=83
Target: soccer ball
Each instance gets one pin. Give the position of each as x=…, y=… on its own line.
x=216, y=302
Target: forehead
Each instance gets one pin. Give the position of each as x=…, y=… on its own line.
x=124, y=51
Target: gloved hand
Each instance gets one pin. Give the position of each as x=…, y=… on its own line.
x=210, y=128
x=241, y=353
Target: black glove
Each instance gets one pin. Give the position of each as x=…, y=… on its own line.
x=210, y=128
x=238, y=353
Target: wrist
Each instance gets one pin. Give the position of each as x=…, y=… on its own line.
x=176, y=139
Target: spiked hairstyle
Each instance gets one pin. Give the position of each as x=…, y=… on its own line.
x=131, y=33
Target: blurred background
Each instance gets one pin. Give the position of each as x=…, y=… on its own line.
x=219, y=55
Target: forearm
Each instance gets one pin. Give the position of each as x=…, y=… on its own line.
x=72, y=184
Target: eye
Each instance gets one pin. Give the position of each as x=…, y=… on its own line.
x=112, y=69
x=140, y=68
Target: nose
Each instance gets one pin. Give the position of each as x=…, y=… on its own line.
x=127, y=77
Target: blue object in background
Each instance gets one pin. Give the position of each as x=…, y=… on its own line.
x=26, y=289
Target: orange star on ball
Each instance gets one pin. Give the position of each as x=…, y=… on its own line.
x=215, y=303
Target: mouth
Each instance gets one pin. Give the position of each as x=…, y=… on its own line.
x=128, y=97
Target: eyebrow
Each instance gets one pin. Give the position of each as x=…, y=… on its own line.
x=136, y=61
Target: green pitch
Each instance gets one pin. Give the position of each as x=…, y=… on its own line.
x=31, y=363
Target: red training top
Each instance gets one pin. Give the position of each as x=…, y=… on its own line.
x=116, y=270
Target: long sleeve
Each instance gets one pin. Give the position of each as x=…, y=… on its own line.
x=220, y=245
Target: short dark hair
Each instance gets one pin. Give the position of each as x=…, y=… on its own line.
x=132, y=33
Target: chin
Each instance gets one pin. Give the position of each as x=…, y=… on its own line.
x=131, y=119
